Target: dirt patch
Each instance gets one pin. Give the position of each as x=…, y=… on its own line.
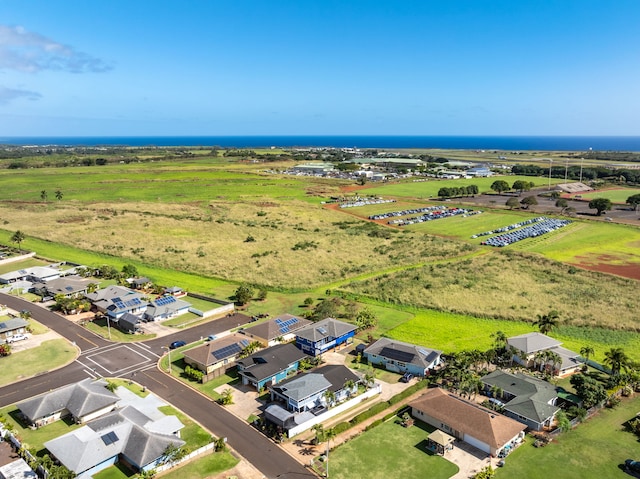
x=610, y=264
x=351, y=188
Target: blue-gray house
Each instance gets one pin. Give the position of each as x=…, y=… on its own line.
x=402, y=357
x=269, y=366
x=324, y=335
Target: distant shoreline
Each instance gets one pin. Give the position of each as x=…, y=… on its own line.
x=501, y=143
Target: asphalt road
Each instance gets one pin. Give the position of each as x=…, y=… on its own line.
x=260, y=451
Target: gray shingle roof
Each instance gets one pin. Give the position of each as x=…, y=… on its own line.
x=11, y=324
x=270, y=361
x=533, y=396
x=270, y=330
x=327, y=328
x=532, y=342
x=79, y=399
x=302, y=386
x=418, y=355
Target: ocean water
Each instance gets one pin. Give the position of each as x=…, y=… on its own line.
x=507, y=143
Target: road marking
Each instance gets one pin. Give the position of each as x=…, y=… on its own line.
x=90, y=373
x=88, y=340
x=154, y=379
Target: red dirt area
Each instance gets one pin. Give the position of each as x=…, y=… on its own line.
x=629, y=270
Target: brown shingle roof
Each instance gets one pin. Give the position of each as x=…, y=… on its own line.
x=482, y=423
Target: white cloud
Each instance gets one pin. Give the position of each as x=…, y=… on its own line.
x=31, y=52
x=9, y=94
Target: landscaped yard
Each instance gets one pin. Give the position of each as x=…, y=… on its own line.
x=48, y=356
x=593, y=450
x=389, y=450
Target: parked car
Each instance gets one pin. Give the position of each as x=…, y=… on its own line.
x=211, y=337
x=17, y=337
x=177, y=344
x=632, y=466
x=406, y=377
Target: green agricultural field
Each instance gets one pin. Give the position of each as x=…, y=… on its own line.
x=451, y=333
x=616, y=195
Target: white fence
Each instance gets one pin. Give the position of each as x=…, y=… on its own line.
x=227, y=308
x=13, y=259
x=334, y=411
x=191, y=455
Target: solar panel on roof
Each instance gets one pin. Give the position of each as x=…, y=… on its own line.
x=68, y=288
x=402, y=356
x=227, y=351
x=109, y=438
x=322, y=330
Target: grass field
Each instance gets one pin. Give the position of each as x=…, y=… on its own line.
x=616, y=195
x=593, y=450
x=389, y=450
x=48, y=356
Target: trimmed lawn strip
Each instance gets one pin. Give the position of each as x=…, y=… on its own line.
x=48, y=356
x=211, y=464
x=389, y=450
x=192, y=433
x=99, y=326
x=593, y=450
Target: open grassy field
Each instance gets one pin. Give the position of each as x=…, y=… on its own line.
x=593, y=450
x=429, y=189
x=48, y=356
x=616, y=195
x=389, y=450
x=511, y=285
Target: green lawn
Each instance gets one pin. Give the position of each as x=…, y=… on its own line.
x=208, y=465
x=192, y=433
x=48, y=356
x=37, y=437
x=593, y=450
x=389, y=450
x=616, y=195
x=100, y=327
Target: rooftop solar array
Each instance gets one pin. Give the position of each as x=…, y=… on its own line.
x=164, y=300
x=322, y=330
x=402, y=356
x=286, y=325
x=230, y=350
x=120, y=304
x=109, y=438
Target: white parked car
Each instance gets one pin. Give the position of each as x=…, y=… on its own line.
x=16, y=337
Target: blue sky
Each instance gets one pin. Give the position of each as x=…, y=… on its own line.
x=245, y=67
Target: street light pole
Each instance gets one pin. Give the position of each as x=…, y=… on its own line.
x=169, y=352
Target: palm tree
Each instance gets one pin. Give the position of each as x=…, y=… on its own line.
x=499, y=340
x=547, y=322
x=616, y=359
x=555, y=360
x=18, y=237
x=586, y=352
x=369, y=378
x=43, y=195
x=496, y=391
x=58, y=195
x=329, y=397
x=349, y=385
x=320, y=434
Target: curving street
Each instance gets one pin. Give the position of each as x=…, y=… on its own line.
x=99, y=357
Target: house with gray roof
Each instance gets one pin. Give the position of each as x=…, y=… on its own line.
x=115, y=301
x=324, y=335
x=524, y=398
x=306, y=391
x=530, y=349
x=165, y=307
x=126, y=434
x=68, y=286
x=278, y=330
x=11, y=326
x=270, y=366
x=129, y=323
x=401, y=357
x=83, y=401
x=33, y=274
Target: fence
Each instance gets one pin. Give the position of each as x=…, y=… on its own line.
x=191, y=455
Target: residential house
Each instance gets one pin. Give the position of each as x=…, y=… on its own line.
x=165, y=307
x=11, y=326
x=128, y=435
x=115, y=301
x=83, y=401
x=479, y=427
x=401, y=357
x=528, y=400
x=216, y=357
x=35, y=274
x=308, y=391
x=479, y=171
x=530, y=349
x=16, y=469
x=175, y=291
x=279, y=330
x=140, y=283
x=68, y=286
x=270, y=366
x=324, y=335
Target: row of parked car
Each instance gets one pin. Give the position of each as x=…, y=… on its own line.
x=538, y=229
